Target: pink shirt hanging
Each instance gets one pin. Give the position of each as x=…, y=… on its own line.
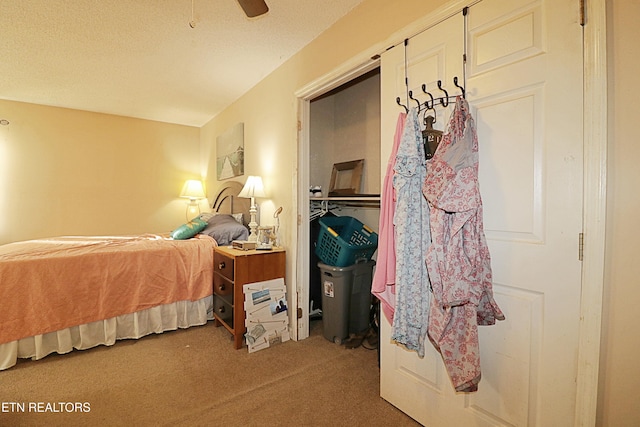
x=384, y=277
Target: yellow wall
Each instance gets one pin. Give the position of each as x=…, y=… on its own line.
x=620, y=368
x=65, y=171
x=269, y=110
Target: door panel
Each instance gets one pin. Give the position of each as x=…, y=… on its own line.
x=524, y=87
x=417, y=386
x=513, y=209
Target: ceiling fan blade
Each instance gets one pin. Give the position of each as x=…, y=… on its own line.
x=253, y=8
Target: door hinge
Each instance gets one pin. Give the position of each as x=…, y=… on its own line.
x=583, y=12
x=299, y=125
x=299, y=313
x=580, y=246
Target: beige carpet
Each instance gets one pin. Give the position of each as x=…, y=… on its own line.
x=194, y=377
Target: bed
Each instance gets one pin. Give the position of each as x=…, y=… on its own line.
x=79, y=292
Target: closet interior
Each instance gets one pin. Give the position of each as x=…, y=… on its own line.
x=344, y=139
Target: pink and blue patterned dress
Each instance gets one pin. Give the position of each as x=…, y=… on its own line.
x=458, y=259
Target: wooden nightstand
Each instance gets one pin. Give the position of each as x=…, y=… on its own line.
x=234, y=268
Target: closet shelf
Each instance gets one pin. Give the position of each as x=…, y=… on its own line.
x=359, y=197
x=359, y=200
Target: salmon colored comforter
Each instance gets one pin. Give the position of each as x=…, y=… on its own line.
x=52, y=284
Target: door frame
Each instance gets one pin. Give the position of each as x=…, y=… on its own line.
x=349, y=71
x=595, y=118
x=595, y=144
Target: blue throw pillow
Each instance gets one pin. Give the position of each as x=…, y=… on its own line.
x=188, y=230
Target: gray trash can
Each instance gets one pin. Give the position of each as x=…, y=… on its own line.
x=346, y=299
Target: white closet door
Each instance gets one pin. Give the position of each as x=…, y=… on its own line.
x=524, y=85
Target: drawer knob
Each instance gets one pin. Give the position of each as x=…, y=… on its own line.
x=221, y=309
x=221, y=287
x=221, y=266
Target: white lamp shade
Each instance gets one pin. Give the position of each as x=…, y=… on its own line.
x=193, y=189
x=252, y=188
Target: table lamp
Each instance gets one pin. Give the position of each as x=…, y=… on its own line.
x=252, y=188
x=194, y=191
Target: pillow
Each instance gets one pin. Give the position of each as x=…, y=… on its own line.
x=225, y=228
x=208, y=215
x=238, y=217
x=188, y=230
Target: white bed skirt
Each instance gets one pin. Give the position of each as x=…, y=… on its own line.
x=168, y=317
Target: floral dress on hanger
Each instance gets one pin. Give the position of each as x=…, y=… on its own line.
x=458, y=259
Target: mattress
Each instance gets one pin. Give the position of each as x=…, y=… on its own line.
x=78, y=292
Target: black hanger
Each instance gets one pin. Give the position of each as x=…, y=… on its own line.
x=406, y=78
x=431, y=102
x=455, y=82
x=412, y=98
x=406, y=110
x=444, y=101
x=426, y=103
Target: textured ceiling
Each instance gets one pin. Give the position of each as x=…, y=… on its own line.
x=141, y=58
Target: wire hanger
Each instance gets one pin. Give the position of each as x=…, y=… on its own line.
x=406, y=80
x=406, y=110
x=455, y=83
x=444, y=101
x=414, y=99
x=427, y=105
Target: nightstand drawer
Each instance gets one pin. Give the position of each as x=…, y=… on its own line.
x=223, y=287
x=223, y=264
x=232, y=270
x=223, y=310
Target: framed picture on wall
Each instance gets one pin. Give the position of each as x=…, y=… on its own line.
x=230, y=153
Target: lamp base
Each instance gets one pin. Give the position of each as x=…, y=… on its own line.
x=193, y=210
x=253, y=225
